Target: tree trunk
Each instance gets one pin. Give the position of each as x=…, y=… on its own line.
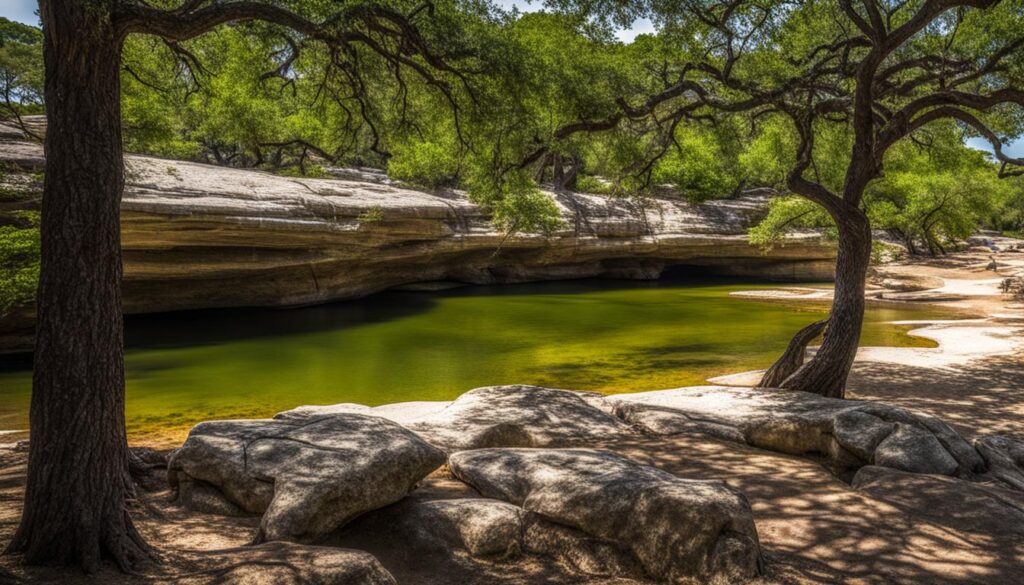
x=793, y=357
x=78, y=487
x=826, y=372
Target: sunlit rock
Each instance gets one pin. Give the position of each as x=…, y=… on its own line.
x=518, y=416
x=306, y=478
x=677, y=529
x=847, y=433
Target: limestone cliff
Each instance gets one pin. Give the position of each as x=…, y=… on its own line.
x=201, y=236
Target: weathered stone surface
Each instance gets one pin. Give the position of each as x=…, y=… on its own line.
x=399, y=412
x=483, y=540
x=307, y=478
x=518, y=416
x=1004, y=456
x=484, y=528
x=848, y=433
x=279, y=563
x=678, y=529
x=964, y=506
x=201, y=236
x=912, y=449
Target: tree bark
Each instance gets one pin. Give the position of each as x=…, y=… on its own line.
x=793, y=357
x=826, y=372
x=78, y=487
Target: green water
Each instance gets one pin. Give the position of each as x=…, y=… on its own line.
x=608, y=336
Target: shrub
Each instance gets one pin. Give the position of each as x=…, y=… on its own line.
x=426, y=164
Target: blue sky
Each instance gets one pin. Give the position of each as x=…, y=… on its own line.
x=20, y=10
x=24, y=11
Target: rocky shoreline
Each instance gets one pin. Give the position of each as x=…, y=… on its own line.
x=526, y=483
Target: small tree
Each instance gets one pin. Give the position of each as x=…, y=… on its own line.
x=76, y=497
x=884, y=70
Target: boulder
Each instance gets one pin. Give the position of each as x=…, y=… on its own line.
x=677, y=529
x=482, y=540
x=912, y=449
x=279, y=563
x=306, y=478
x=1004, y=456
x=483, y=528
x=519, y=416
x=399, y=412
x=848, y=434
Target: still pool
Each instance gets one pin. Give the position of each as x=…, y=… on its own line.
x=608, y=336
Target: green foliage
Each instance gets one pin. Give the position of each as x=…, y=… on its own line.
x=21, y=68
x=372, y=215
x=19, y=259
x=426, y=164
x=514, y=200
x=595, y=185
x=785, y=215
x=699, y=168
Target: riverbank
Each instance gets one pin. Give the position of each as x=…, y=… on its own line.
x=198, y=236
x=813, y=525
x=974, y=378
x=607, y=336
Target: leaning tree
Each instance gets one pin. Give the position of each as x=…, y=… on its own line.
x=78, y=487
x=882, y=69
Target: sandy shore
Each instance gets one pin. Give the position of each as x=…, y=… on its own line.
x=974, y=379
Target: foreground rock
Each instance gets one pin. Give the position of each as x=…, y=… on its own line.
x=847, y=433
x=201, y=236
x=496, y=416
x=306, y=478
x=1004, y=456
x=519, y=416
x=679, y=530
x=481, y=540
x=281, y=563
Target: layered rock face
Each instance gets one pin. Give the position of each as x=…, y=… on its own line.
x=201, y=236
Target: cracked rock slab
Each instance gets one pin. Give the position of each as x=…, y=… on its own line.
x=519, y=416
x=679, y=530
x=307, y=478
x=849, y=434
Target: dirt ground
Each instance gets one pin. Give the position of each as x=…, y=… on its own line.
x=813, y=527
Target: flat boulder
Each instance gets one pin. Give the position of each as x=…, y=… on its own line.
x=1004, y=456
x=848, y=434
x=307, y=478
x=678, y=530
x=519, y=416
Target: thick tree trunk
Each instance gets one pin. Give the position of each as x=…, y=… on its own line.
x=78, y=486
x=826, y=372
